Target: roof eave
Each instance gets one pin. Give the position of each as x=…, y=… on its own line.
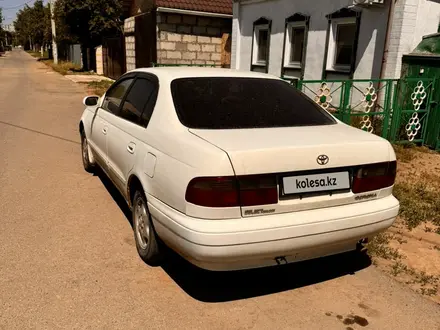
x=191, y=12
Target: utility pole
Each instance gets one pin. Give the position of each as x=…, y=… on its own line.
x=54, y=35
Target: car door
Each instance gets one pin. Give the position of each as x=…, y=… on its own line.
x=104, y=114
x=98, y=138
x=124, y=141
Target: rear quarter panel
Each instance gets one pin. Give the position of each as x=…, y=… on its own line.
x=178, y=159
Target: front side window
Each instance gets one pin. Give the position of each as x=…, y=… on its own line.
x=115, y=95
x=137, y=100
x=238, y=103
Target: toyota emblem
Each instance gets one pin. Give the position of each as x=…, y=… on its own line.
x=322, y=160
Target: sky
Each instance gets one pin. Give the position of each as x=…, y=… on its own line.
x=11, y=7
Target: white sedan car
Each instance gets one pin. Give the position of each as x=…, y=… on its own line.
x=236, y=170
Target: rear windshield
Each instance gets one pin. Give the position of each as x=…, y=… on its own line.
x=228, y=103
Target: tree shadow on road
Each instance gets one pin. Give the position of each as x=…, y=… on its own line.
x=212, y=287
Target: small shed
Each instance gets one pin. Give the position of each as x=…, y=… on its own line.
x=424, y=62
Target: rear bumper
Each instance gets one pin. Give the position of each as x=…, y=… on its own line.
x=268, y=240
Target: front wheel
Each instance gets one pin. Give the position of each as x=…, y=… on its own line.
x=147, y=241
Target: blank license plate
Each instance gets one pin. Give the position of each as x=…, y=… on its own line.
x=302, y=184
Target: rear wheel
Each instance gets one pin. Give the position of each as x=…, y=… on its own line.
x=147, y=241
x=88, y=166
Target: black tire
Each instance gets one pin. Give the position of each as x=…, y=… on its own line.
x=88, y=166
x=147, y=242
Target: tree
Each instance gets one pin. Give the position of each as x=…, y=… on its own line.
x=89, y=21
x=33, y=27
x=23, y=28
x=38, y=20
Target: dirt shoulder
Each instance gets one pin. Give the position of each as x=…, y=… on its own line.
x=410, y=250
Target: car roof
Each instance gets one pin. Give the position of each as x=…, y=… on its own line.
x=171, y=73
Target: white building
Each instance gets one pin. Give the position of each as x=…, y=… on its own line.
x=8, y=27
x=329, y=39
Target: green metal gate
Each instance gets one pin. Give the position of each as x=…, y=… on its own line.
x=396, y=109
x=424, y=62
x=412, y=110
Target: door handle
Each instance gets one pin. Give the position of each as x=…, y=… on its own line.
x=131, y=147
x=104, y=130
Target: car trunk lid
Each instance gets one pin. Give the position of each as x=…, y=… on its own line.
x=278, y=150
x=308, y=153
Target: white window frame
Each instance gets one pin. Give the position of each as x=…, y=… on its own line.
x=257, y=29
x=331, y=54
x=288, y=44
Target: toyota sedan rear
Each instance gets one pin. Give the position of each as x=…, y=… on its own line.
x=237, y=170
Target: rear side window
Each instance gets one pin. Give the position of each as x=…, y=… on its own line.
x=137, y=100
x=228, y=103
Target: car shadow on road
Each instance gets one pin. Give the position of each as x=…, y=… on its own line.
x=115, y=194
x=212, y=287
x=207, y=286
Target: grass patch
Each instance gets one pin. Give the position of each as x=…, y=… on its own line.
x=99, y=87
x=428, y=284
x=38, y=54
x=419, y=193
x=419, y=201
x=408, y=152
x=63, y=67
x=378, y=247
x=404, y=153
x=429, y=291
x=34, y=54
x=399, y=267
x=425, y=279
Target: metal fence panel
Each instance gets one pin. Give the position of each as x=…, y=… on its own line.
x=396, y=109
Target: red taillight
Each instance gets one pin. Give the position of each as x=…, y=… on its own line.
x=213, y=192
x=232, y=191
x=374, y=177
x=258, y=190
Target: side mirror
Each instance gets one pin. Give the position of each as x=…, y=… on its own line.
x=90, y=101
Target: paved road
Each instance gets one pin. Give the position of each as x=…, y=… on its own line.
x=67, y=256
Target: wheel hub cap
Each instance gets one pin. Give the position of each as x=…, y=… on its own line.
x=142, y=223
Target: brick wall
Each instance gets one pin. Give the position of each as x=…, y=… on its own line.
x=130, y=52
x=235, y=47
x=400, y=36
x=130, y=44
x=99, y=61
x=188, y=39
x=412, y=20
